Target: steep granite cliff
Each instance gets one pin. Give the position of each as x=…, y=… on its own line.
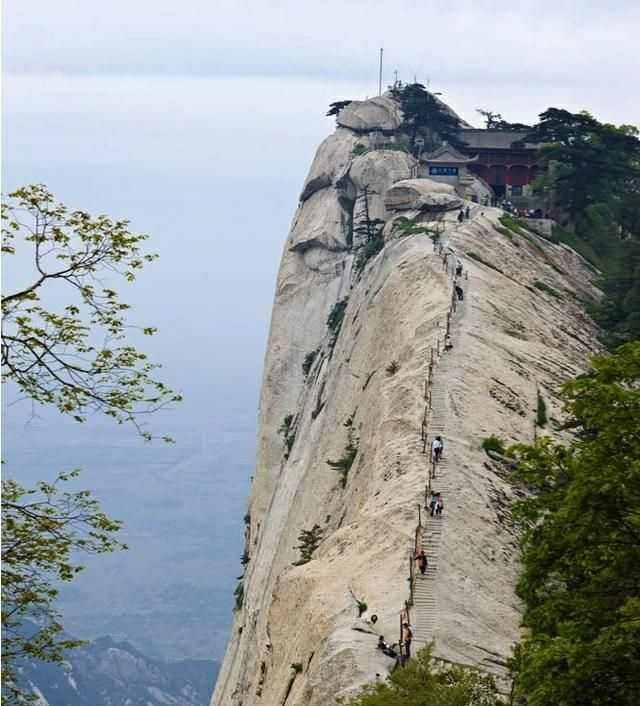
x=361, y=385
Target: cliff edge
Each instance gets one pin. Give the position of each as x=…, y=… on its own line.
x=347, y=379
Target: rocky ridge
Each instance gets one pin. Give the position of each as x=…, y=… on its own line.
x=519, y=333
x=107, y=672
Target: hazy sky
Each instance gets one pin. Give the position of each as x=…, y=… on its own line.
x=198, y=121
x=517, y=55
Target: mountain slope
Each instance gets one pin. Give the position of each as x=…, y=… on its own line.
x=110, y=673
x=520, y=332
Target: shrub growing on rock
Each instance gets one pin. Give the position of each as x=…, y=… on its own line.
x=494, y=443
x=541, y=412
x=344, y=463
x=423, y=682
x=543, y=287
x=288, y=434
x=392, y=368
x=308, y=361
x=336, y=318
x=309, y=542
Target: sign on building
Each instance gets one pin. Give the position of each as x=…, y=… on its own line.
x=443, y=171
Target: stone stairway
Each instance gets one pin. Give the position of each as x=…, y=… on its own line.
x=425, y=608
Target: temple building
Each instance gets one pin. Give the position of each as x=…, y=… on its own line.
x=502, y=159
x=448, y=165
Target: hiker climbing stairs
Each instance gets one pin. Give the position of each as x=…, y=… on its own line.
x=424, y=595
x=425, y=606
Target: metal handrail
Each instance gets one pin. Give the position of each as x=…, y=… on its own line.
x=434, y=356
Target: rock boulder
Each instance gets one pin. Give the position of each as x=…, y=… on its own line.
x=381, y=113
x=421, y=195
x=331, y=162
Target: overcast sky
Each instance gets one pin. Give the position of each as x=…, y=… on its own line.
x=517, y=55
x=198, y=120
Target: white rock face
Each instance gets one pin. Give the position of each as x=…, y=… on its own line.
x=320, y=222
x=369, y=178
x=381, y=113
x=511, y=340
x=331, y=162
x=419, y=194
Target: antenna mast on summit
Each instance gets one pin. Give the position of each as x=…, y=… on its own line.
x=380, y=73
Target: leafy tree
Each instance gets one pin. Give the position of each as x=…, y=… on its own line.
x=495, y=121
x=41, y=528
x=594, y=178
x=493, y=443
x=424, y=683
x=619, y=312
x=581, y=546
x=426, y=116
x=598, y=162
x=76, y=359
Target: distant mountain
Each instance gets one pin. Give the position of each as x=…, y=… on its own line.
x=110, y=673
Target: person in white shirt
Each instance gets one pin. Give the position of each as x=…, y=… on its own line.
x=436, y=448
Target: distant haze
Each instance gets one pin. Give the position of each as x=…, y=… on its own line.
x=198, y=122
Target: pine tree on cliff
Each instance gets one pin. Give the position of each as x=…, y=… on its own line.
x=426, y=116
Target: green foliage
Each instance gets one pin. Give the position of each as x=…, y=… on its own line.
x=506, y=232
x=369, y=250
x=423, y=682
x=239, y=594
x=562, y=235
x=392, y=368
x=369, y=231
x=77, y=359
x=308, y=361
x=359, y=149
x=405, y=226
x=494, y=443
x=543, y=287
x=344, y=463
x=43, y=531
x=401, y=144
x=52, y=357
x=309, y=542
x=541, y=412
x=581, y=546
x=297, y=667
x=512, y=223
x=619, y=311
x=288, y=433
x=593, y=161
x=594, y=177
x=335, y=320
x=481, y=260
x=495, y=121
x=427, y=117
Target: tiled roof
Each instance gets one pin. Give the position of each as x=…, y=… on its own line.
x=495, y=139
x=447, y=155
